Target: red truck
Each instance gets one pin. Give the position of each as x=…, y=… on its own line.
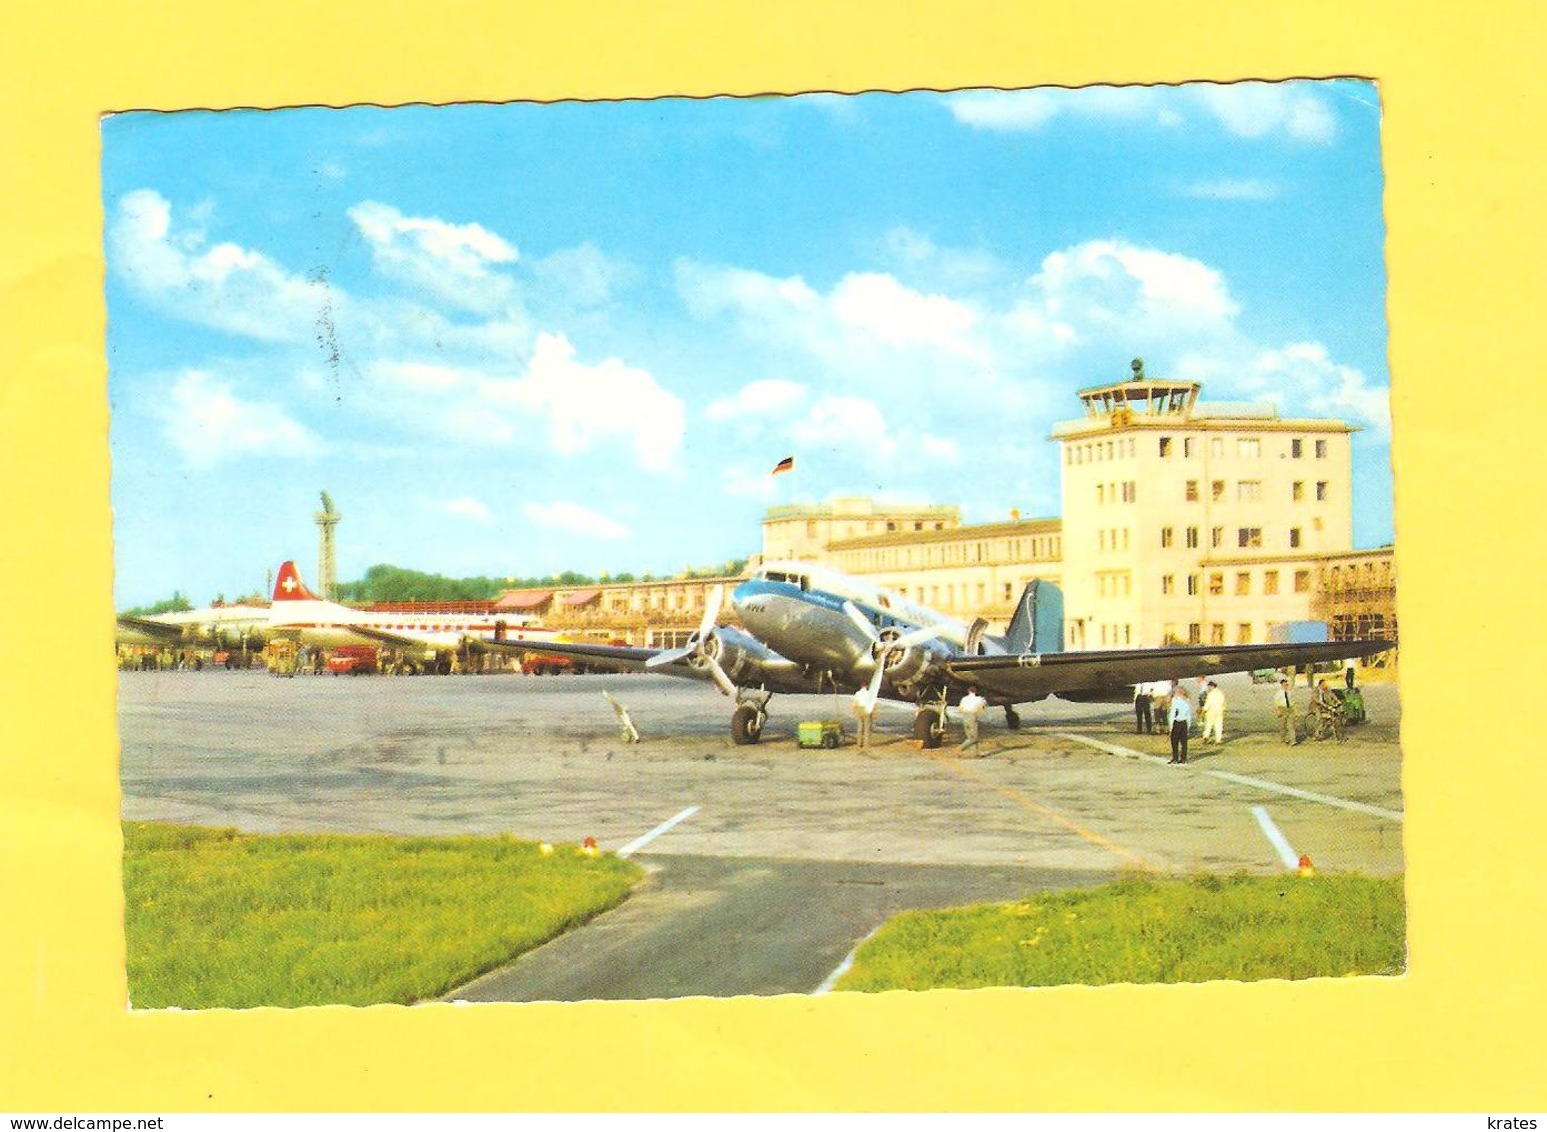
x=357, y=660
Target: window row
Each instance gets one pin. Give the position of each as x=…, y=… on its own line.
x=1216, y=579
x=1250, y=491
x=1246, y=538
x=1127, y=491
x=1246, y=447
x=1243, y=633
x=1100, y=450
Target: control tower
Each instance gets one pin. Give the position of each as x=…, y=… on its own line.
x=327, y=564
x=1194, y=521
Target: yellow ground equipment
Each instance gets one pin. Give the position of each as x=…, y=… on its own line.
x=820, y=733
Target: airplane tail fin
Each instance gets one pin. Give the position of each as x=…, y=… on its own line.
x=1038, y=624
x=289, y=587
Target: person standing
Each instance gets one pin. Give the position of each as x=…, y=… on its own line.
x=1180, y=718
x=1143, y=717
x=971, y=707
x=1214, y=714
x=864, y=714
x=1284, y=705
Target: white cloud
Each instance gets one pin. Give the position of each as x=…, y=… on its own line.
x=581, y=408
x=209, y=424
x=899, y=316
x=584, y=275
x=845, y=423
x=1303, y=376
x=1257, y=109
x=589, y=406
x=1112, y=283
x=1252, y=110
x=451, y=261
x=572, y=518
x=226, y=286
x=867, y=319
x=469, y=508
x=757, y=399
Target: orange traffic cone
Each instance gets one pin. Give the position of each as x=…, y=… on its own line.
x=589, y=848
x=1306, y=868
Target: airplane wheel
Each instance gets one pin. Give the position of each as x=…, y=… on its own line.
x=1012, y=719
x=926, y=729
x=746, y=725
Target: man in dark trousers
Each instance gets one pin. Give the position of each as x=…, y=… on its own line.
x=1180, y=718
x=1142, y=699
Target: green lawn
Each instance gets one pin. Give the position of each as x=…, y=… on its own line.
x=1147, y=930
x=219, y=918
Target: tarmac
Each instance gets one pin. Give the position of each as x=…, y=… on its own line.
x=780, y=860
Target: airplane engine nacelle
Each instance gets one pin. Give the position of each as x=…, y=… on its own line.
x=739, y=655
x=907, y=669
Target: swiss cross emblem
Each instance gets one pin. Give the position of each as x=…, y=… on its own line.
x=289, y=584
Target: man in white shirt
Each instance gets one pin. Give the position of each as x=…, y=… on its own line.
x=864, y=714
x=1180, y=718
x=1284, y=705
x=971, y=708
x=1214, y=714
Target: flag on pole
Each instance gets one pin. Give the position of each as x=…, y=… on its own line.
x=785, y=465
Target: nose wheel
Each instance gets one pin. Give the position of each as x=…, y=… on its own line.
x=1012, y=718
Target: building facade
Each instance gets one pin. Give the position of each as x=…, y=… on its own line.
x=1182, y=522
x=1194, y=523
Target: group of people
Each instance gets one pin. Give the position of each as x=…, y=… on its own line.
x=1179, y=712
x=970, y=710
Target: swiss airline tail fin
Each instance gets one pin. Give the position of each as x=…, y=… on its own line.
x=289, y=587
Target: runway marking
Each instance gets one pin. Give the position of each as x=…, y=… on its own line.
x=1243, y=780
x=1276, y=837
x=1036, y=807
x=848, y=961
x=639, y=843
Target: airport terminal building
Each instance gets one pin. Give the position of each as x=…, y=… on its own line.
x=1183, y=521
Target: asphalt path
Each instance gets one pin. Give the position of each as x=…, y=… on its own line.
x=780, y=860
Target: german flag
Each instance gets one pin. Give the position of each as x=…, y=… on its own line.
x=785, y=465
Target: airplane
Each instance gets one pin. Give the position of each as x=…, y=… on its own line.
x=220, y=626
x=302, y=616
x=811, y=629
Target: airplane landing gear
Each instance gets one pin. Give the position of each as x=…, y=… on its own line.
x=1012, y=718
x=927, y=728
x=748, y=718
x=747, y=724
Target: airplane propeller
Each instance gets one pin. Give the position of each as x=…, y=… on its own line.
x=885, y=647
x=697, y=651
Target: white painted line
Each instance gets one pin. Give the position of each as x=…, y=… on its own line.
x=1276, y=836
x=640, y=842
x=843, y=968
x=1111, y=748
x=1309, y=795
x=1244, y=780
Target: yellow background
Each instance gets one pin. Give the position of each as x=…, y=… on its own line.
x=1462, y=127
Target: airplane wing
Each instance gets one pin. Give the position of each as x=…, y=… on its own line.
x=760, y=667
x=156, y=630
x=1016, y=679
x=397, y=640
x=616, y=658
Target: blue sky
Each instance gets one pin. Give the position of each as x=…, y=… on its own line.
x=515, y=340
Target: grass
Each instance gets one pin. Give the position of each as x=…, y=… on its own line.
x=217, y=918
x=1147, y=930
